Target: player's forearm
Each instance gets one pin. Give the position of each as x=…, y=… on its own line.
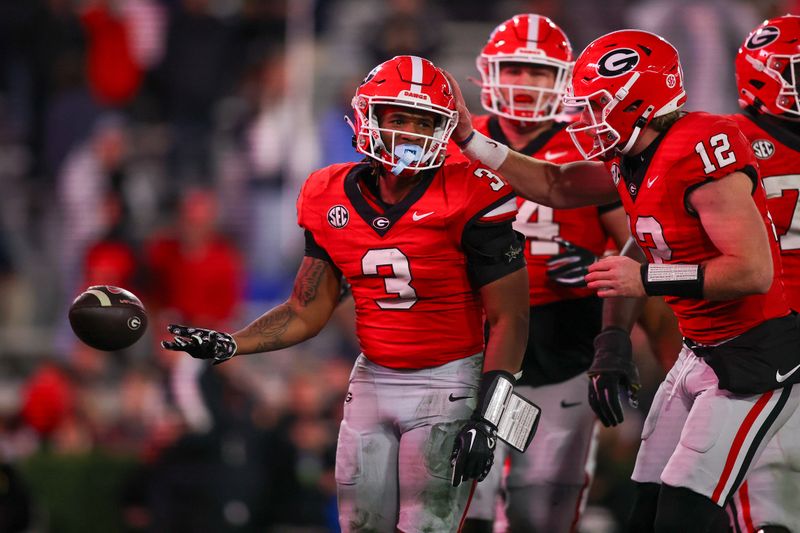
x=315, y=295
x=727, y=277
x=278, y=328
x=507, y=312
x=622, y=312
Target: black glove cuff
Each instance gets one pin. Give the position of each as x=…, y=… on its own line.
x=612, y=348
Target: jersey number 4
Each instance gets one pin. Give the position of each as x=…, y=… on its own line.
x=396, y=274
x=541, y=233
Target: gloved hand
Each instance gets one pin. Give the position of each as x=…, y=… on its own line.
x=201, y=343
x=473, y=450
x=612, y=373
x=570, y=267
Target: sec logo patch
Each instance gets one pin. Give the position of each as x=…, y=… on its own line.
x=763, y=149
x=338, y=216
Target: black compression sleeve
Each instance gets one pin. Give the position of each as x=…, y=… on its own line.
x=493, y=251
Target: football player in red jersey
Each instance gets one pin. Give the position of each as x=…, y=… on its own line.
x=767, y=70
x=697, y=210
x=429, y=251
x=525, y=68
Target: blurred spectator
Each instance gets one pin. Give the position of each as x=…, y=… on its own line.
x=195, y=272
x=89, y=187
x=407, y=27
x=113, y=71
x=335, y=134
x=283, y=151
x=198, y=67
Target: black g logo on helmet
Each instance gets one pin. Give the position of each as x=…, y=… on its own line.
x=617, y=62
x=762, y=37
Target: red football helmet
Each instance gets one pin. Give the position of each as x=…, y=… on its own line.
x=525, y=39
x=768, y=68
x=622, y=81
x=409, y=82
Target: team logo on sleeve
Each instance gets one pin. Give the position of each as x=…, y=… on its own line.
x=338, y=216
x=762, y=37
x=617, y=62
x=763, y=149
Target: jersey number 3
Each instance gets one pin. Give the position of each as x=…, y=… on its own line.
x=396, y=274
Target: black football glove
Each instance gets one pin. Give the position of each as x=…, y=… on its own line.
x=612, y=373
x=201, y=343
x=473, y=451
x=570, y=267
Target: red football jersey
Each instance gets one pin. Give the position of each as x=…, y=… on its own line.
x=698, y=148
x=415, y=306
x=778, y=154
x=543, y=225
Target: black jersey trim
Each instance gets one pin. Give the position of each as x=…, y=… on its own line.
x=394, y=212
x=775, y=127
x=496, y=133
x=634, y=167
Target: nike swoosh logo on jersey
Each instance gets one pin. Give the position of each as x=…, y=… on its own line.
x=567, y=405
x=417, y=217
x=650, y=182
x=554, y=155
x=780, y=378
x=456, y=398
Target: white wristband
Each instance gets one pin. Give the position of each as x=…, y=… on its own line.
x=489, y=152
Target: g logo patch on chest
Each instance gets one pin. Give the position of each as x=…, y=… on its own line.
x=763, y=149
x=381, y=223
x=617, y=62
x=338, y=216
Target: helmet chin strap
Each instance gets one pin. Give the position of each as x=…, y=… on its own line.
x=640, y=123
x=406, y=154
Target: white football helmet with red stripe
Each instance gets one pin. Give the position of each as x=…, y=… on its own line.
x=407, y=82
x=530, y=39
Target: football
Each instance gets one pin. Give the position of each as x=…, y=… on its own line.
x=108, y=318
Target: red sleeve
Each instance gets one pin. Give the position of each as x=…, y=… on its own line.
x=487, y=197
x=715, y=149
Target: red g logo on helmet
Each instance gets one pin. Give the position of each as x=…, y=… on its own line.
x=617, y=62
x=768, y=68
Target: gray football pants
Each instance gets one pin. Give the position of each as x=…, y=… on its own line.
x=393, y=455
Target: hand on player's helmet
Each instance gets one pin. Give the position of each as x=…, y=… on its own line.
x=571, y=266
x=611, y=374
x=464, y=124
x=201, y=343
x=473, y=451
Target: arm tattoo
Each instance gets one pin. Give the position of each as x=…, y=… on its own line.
x=308, y=281
x=270, y=327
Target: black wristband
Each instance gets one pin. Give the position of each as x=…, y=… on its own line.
x=685, y=281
